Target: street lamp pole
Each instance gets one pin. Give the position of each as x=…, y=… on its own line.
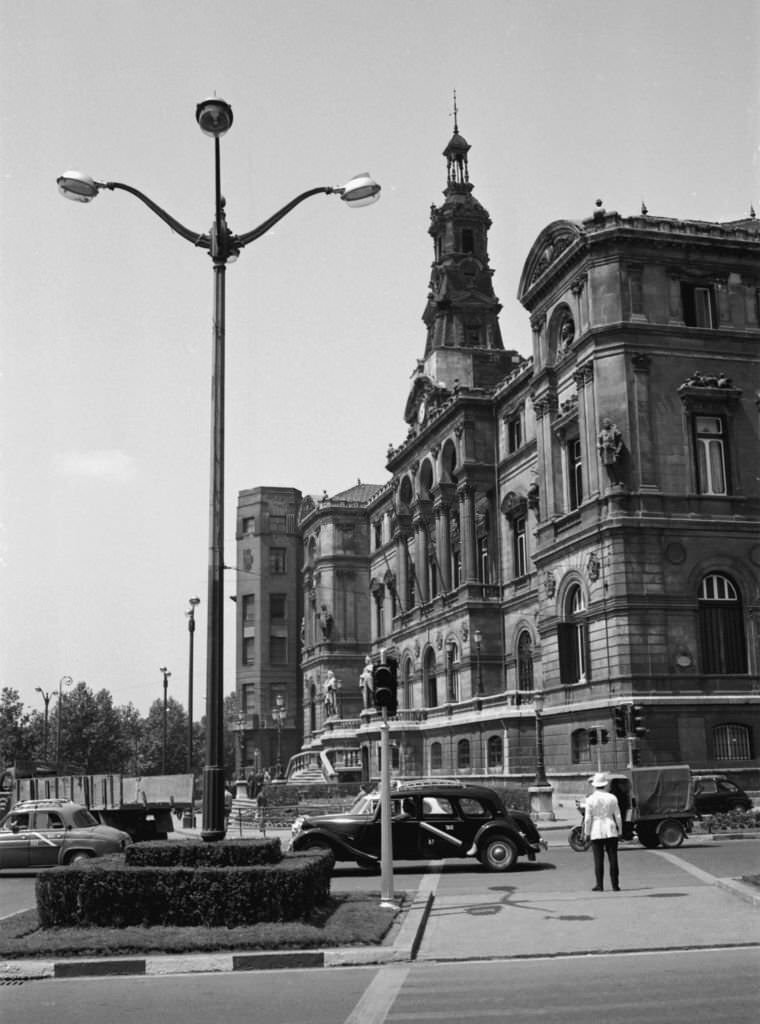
x=194, y=601
x=279, y=711
x=214, y=117
x=63, y=681
x=166, y=675
x=46, y=698
x=538, y=704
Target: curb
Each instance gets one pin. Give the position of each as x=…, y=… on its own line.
x=403, y=950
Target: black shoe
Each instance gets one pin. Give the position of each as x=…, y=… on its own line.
x=597, y=888
x=616, y=888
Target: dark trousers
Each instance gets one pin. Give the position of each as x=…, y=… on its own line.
x=598, y=848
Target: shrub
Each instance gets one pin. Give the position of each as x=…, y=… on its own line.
x=109, y=893
x=195, y=853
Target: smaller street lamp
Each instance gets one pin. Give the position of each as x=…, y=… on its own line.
x=46, y=697
x=279, y=713
x=166, y=673
x=538, y=704
x=478, y=637
x=194, y=602
x=63, y=681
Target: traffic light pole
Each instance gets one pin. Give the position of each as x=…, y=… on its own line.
x=386, y=831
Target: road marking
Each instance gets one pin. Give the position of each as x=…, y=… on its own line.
x=379, y=996
x=703, y=876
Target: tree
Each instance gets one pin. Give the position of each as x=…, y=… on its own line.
x=91, y=731
x=152, y=746
x=16, y=735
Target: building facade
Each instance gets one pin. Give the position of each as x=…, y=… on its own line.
x=564, y=536
x=269, y=612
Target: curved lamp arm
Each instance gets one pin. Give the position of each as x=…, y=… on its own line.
x=254, y=233
x=203, y=241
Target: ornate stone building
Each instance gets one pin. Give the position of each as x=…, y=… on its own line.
x=560, y=536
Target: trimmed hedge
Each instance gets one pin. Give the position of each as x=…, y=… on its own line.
x=196, y=853
x=106, y=892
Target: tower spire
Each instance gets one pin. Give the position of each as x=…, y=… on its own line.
x=456, y=126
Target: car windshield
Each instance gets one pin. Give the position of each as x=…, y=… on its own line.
x=82, y=818
x=365, y=803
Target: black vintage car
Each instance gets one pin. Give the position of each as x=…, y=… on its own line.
x=430, y=821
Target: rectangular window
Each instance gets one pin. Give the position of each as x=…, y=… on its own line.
x=249, y=525
x=709, y=432
x=698, y=303
x=278, y=650
x=277, y=561
x=249, y=650
x=573, y=656
x=520, y=551
x=574, y=473
x=249, y=607
x=378, y=531
x=514, y=433
x=277, y=607
x=277, y=524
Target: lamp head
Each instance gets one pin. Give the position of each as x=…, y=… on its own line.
x=194, y=601
x=77, y=186
x=38, y=689
x=477, y=637
x=361, y=190
x=214, y=117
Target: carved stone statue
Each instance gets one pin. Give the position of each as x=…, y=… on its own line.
x=610, y=443
x=365, y=683
x=330, y=695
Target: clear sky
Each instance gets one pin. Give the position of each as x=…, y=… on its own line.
x=106, y=315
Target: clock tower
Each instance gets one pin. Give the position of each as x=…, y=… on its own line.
x=463, y=345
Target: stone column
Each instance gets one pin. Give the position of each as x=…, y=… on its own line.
x=421, y=556
x=467, y=524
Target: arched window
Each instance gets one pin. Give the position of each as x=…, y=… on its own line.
x=435, y=756
x=463, y=754
x=525, y=661
x=407, y=675
x=732, y=742
x=495, y=752
x=573, y=639
x=722, y=641
x=431, y=679
x=580, y=751
x=452, y=669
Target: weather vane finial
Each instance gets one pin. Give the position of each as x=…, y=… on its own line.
x=455, y=112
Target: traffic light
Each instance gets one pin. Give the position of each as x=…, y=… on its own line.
x=604, y=736
x=384, y=685
x=635, y=758
x=621, y=725
x=593, y=737
x=637, y=721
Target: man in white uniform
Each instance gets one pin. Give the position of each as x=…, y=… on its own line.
x=602, y=824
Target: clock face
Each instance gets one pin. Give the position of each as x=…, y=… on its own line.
x=421, y=410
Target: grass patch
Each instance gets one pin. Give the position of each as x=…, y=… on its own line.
x=351, y=919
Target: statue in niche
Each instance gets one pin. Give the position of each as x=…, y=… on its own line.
x=325, y=622
x=330, y=697
x=567, y=332
x=610, y=446
x=366, y=684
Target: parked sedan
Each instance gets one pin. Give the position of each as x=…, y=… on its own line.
x=44, y=833
x=717, y=794
x=429, y=821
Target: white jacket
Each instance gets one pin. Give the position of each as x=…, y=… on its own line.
x=601, y=816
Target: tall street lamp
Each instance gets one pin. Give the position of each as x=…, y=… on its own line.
x=538, y=704
x=478, y=637
x=214, y=117
x=165, y=673
x=279, y=712
x=194, y=602
x=46, y=698
x=63, y=681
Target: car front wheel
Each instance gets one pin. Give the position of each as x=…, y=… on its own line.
x=77, y=857
x=498, y=854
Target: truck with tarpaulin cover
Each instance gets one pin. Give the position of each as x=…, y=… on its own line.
x=141, y=805
x=656, y=805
